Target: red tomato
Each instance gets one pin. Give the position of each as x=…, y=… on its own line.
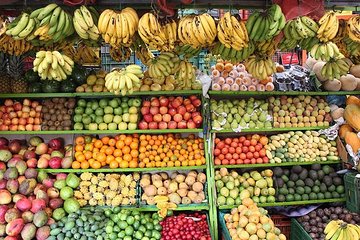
x=247, y=143
x=245, y=149
x=238, y=150
x=228, y=141
x=252, y=149
x=217, y=152
x=242, y=139
x=236, y=140
x=265, y=159
x=240, y=144
x=232, y=161
x=228, y=156
x=253, y=161
x=225, y=162
x=249, y=155
x=259, y=160
x=253, y=142
x=262, y=153
x=220, y=145
x=217, y=161
x=217, y=140
x=224, y=150
x=232, y=150
x=242, y=156
x=258, y=147
x=239, y=161
x=221, y=156
x=247, y=161
x=234, y=144
x=256, y=154
x=235, y=156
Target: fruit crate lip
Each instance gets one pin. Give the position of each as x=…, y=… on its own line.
x=139, y=131
x=110, y=170
x=279, y=93
x=180, y=207
x=97, y=94
x=283, y=164
x=297, y=231
x=277, y=204
x=254, y=130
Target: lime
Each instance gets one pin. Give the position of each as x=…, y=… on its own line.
x=115, y=218
x=110, y=223
x=136, y=225
x=148, y=233
x=142, y=228
x=127, y=238
x=107, y=212
x=156, y=234
x=122, y=217
x=112, y=236
x=116, y=228
x=169, y=213
x=158, y=227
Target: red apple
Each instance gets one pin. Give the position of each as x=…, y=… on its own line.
x=43, y=163
x=10, y=109
x=166, y=117
x=30, y=120
x=190, y=108
x=32, y=113
x=12, y=115
x=27, y=102
x=143, y=125
x=22, y=121
x=193, y=97
x=145, y=110
x=157, y=117
x=178, y=118
x=38, y=109
x=34, y=104
x=31, y=163
x=13, y=128
x=29, y=127
x=19, y=114
x=163, y=110
x=172, y=125
x=190, y=124
x=4, y=128
x=148, y=118
x=29, y=154
x=180, y=99
x=187, y=116
x=17, y=106
x=8, y=102
x=146, y=103
x=172, y=112
x=7, y=121
x=176, y=103
x=153, y=125
x=155, y=102
x=194, y=114
x=164, y=101
x=197, y=119
x=37, y=127
x=186, y=101
x=154, y=110
x=163, y=125
x=196, y=102
x=37, y=120
x=15, y=121
x=182, y=124
x=2, y=108
x=181, y=110
x=25, y=115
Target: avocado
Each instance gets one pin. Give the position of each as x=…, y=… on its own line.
x=303, y=175
x=290, y=184
x=281, y=198
x=337, y=181
x=323, y=188
x=297, y=197
x=340, y=189
x=328, y=181
x=296, y=169
x=317, y=183
x=313, y=196
x=309, y=182
x=320, y=196
x=335, y=195
x=285, y=178
x=278, y=172
x=300, y=183
x=300, y=190
x=280, y=183
x=307, y=189
x=305, y=197
x=320, y=174
x=283, y=191
x=316, y=167
x=328, y=195
x=316, y=189
x=332, y=188
x=291, y=191
x=326, y=169
x=313, y=174
x=286, y=172
x=289, y=198
x=294, y=177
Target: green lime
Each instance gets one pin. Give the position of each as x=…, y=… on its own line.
x=136, y=225
x=148, y=233
x=109, y=229
x=107, y=212
x=142, y=228
x=156, y=234
x=127, y=238
x=158, y=227
x=116, y=228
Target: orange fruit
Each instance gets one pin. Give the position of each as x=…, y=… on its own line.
x=128, y=140
x=134, y=145
x=79, y=148
x=127, y=157
x=142, y=165
x=126, y=149
x=109, y=151
x=89, y=147
x=134, y=153
x=101, y=157
x=79, y=140
x=80, y=158
x=98, y=144
x=109, y=158
x=133, y=164
x=75, y=165
x=112, y=142
x=117, y=153
x=88, y=155
x=113, y=164
x=85, y=165
x=124, y=164
x=120, y=144
x=96, y=165
x=105, y=140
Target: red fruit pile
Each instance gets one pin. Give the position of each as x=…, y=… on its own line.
x=243, y=150
x=185, y=227
x=171, y=113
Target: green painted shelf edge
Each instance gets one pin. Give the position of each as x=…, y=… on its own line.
x=279, y=204
x=97, y=95
x=283, y=164
x=250, y=130
x=138, y=131
x=119, y=170
x=189, y=207
x=279, y=93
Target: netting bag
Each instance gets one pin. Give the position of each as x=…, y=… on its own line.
x=294, y=8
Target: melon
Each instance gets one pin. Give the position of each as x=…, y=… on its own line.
x=332, y=85
x=348, y=82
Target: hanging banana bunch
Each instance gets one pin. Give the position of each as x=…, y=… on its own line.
x=329, y=26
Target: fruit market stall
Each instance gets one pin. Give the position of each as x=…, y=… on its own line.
x=171, y=120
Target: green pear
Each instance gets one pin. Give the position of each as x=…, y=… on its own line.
x=233, y=110
x=234, y=124
x=230, y=104
x=249, y=110
x=252, y=125
x=264, y=106
x=268, y=124
x=227, y=125
x=254, y=117
x=216, y=124
x=237, y=117
x=260, y=124
x=262, y=117
x=241, y=111
x=242, y=103
x=229, y=117
x=242, y=123
x=246, y=117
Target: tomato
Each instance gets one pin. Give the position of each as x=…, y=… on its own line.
x=221, y=156
x=217, y=152
x=247, y=143
x=253, y=161
x=242, y=156
x=225, y=162
x=217, y=161
x=253, y=142
x=217, y=140
x=256, y=154
x=239, y=161
x=220, y=145
x=257, y=147
x=245, y=149
x=235, y=140
x=238, y=150
x=228, y=156
x=242, y=139
x=265, y=159
x=247, y=161
x=249, y=155
x=259, y=160
x=234, y=144
x=228, y=141
x=224, y=150
x=232, y=150
x=252, y=149
x=232, y=162
x=235, y=156
x=262, y=153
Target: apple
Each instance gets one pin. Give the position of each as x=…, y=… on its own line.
x=154, y=110
x=93, y=126
x=112, y=126
x=34, y=104
x=148, y=118
x=182, y=124
x=122, y=126
x=145, y=110
x=146, y=103
x=21, y=128
x=176, y=103
x=29, y=154
x=32, y=113
x=133, y=118
x=157, y=117
x=22, y=121
x=8, y=102
x=4, y=128
x=43, y=163
x=37, y=127
x=13, y=128
x=38, y=108
x=178, y=118
x=30, y=120
x=126, y=117
x=181, y=110
x=196, y=102
x=108, y=118
x=103, y=126
x=12, y=115
x=29, y=127
x=190, y=108
x=133, y=110
x=143, y=125
x=172, y=125
x=9, y=109
x=186, y=101
x=194, y=114
x=197, y=119
x=117, y=119
x=26, y=102
x=191, y=124
x=15, y=121
x=163, y=110
x=153, y=125
x=31, y=163
x=17, y=106
x=163, y=125
x=164, y=101
x=187, y=116
x=166, y=117
x=132, y=126
x=172, y=112
x=26, y=109
x=155, y=102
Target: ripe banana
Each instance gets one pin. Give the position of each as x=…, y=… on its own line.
x=14, y=47
x=260, y=67
x=329, y=25
x=340, y=230
x=84, y=24
x=124, y=80
x=353, y=26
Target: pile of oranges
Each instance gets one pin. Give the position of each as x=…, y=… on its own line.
x=121, y=151
x=170, y=150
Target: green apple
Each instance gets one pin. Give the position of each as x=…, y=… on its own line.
x=99, y=119
x=77, y=118
x=103, y=102
x=103, y=126
x=86, y=120
x=122, y=126
x=92, y=116
x=81, y=103
x=132, y=126
x=112, y=126
x=137, y=102
x=99, y=112
x=133, y=118
x=125, y=99
x=126, y=117
x=118, y=111
x=93, y=126
x=78, y=126
x=130, y=102
x=125, y=110
x=124, y=105
x=88, y=111
x=108, y=110
x=108, y=118
x=94, y=105
x=88, y=104
x=86, y=126
x=133, y=110
x=114, y=103
x=79, y=110
x=117, y=119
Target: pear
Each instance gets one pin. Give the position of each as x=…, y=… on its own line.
x=262, y=117
x=246, y=117
x=234, y=124
x=241, y=111
x=242, y=123
x=254, y=117
x=252, y=125
x=233, y=110
x=229, y=117
x=237, y=117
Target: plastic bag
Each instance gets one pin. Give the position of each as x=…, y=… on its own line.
x=295, y=8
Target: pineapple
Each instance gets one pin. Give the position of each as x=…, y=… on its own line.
x=16, y=70
x=5, y=80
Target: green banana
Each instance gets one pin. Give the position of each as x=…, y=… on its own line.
x=46, y=11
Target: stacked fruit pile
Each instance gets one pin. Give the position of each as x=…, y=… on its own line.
x=242, y=150
x=124, y=80
x=302, y=184
x=94, y=83
x=171, y=151
x=232, y=187
x=119, y=151
x=301, y=147
x=17, y=116
x=107, y=114
x=107, y=189
x=56, y=114
x=171, y=113
x=239, y=114
x=176, y=188
x=301, y=111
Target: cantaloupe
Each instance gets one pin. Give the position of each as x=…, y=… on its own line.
x=332, y=85
x=317, y=70
x=348, y=82
x=309, y=63
x=355, y=70
x=357, y=84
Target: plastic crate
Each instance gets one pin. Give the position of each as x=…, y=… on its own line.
x=352, y=192
x=283, y=223
x=224, y=232
x=298, y=232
